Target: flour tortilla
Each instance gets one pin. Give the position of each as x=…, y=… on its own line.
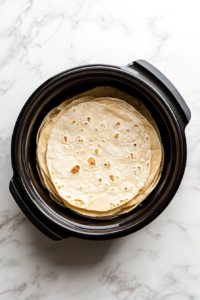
x=155, y=142
x=98, y=156
x=108, y=91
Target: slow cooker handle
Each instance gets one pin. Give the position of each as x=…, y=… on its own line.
x=29, y=213
x=144, y=65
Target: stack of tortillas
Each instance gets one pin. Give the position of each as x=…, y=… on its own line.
x=98, y=155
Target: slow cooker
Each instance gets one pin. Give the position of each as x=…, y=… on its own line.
x=169, y=110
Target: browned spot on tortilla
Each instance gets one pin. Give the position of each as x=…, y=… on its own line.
x=107, y=164
x=96, y=151
x=88, y=119
x=90, y=140
x=55, y=182
x=90, y=197
x=133, y=156
x=121, y=201
x=74, y=109
x=126, y=188
x=103, y=141
x=134, y=145
x=134, y=172
x=147, y=164
x=80, y=187
x=80, y=140
x=103, y=125
x=52, y=172
x=78, y=137
x=135, y=125
x=86, y=123
x=100, y=179
x=60, y=186
x=117, y=124
x=96, y=129
x=112, y=177
x=91, y=161
x=138, y=167
x=75, y=169
x=116, y=135
x=79, y=202
x=106, y=184
x=144, y=131
x=127, y=130
x=73, y=122
x=99, y=145
x=65, y=138
x=81, y=129
x=112, y=189
x=147, y=138
x=117, y=177
x=68, y=197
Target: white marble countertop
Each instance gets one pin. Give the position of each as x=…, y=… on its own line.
x=41, y=38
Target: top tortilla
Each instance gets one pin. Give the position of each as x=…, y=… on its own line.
x=98, y=156
x=112, y=92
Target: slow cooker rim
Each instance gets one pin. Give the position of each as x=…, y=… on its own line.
x=75, y=70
